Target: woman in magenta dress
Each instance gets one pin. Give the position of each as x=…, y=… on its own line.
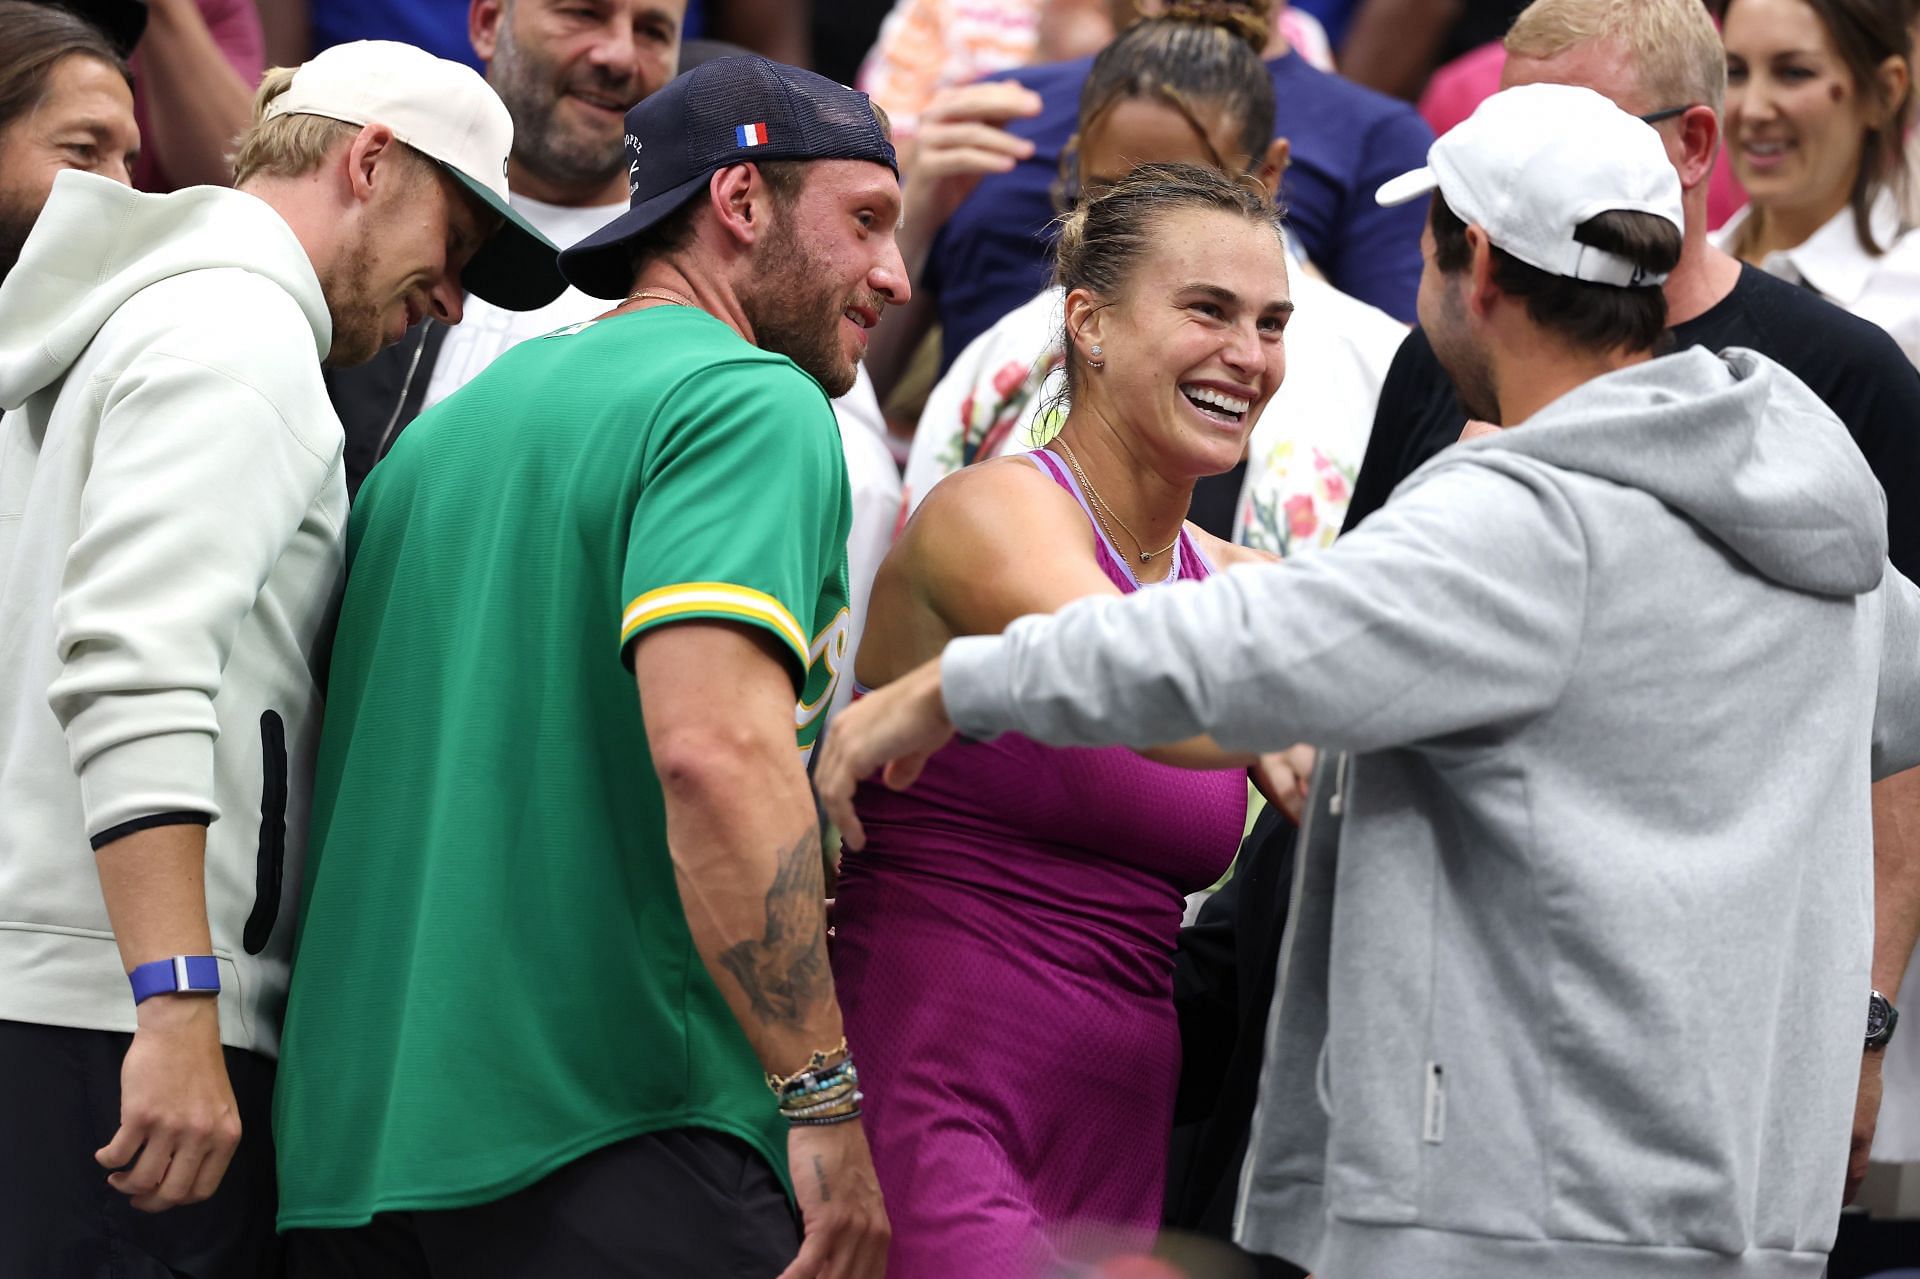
x=1004, y=948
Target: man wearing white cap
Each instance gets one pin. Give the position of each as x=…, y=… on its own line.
x=1578, y=974
x=171, y=515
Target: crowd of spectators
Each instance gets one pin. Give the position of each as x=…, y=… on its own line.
x=297, y=383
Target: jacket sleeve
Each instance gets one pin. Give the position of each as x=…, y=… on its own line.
x=1460, y=604
x=196, y=486
x=1896, y=714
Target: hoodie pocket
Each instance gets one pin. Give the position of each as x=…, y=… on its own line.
x=271, y=858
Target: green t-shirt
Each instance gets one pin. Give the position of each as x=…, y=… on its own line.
x=494, y=975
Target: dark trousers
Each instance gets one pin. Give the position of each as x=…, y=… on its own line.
x=59, y=1219
x=688, y=1203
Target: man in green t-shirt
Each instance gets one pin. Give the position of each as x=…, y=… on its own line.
x=557, y=941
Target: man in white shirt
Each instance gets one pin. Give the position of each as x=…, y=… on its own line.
x=568, y=74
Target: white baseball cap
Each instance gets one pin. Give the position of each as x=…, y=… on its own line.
x=1534, y=162
x=446, y=112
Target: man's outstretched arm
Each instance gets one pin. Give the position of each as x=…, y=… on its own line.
x=1896, y=837
x=1459, y=604
x=1896, y=925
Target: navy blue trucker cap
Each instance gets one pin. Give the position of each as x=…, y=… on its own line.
x=736, y=110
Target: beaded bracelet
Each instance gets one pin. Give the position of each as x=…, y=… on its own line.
x=807, y=1083
x=841, y=1077
x=814, y=1105
x=823, y=1122
x=792, y=1105
x=838, y=1104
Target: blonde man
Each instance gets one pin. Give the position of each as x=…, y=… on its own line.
x=1662, y=60
x=171, y=508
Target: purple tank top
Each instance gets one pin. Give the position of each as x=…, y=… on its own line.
x=1004, y=958
x=1164, y=831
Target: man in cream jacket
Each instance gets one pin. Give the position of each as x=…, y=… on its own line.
x=171, y=510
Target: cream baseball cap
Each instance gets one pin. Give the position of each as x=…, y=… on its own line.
x=447, y=113
x=1534, y=162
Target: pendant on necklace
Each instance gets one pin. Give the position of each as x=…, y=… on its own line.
x=1145, y=556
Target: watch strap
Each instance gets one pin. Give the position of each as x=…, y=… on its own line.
x=181, y=974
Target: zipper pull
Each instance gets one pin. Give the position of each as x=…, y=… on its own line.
x=1434, y=1128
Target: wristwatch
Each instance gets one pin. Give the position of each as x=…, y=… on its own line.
x=1882, y=1017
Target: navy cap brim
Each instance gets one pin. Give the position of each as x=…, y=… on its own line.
x=601, y=265
x=517, y=267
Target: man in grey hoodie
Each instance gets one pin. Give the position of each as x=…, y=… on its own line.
x=1579, y=971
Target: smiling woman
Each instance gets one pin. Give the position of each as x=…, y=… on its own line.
x=1005, y=930
x=1818, y=95
x=1187, y=87
x=1173, y=241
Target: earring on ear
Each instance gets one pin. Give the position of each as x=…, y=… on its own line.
x=1095, y=363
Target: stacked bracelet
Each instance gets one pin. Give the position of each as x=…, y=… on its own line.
x=825, y=1092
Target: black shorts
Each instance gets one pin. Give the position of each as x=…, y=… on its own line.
x=687, y=1203
x=59, y=1219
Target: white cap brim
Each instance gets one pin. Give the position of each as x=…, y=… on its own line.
x=1407, y=187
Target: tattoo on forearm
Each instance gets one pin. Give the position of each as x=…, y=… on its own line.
x=785, y=972
x=820, y=1175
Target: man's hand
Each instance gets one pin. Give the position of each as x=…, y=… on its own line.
x=174, y=1096
x=961, y=141
x=846, y=1230
x=1283, y=777
x=897, y=726
x=176, y=1101
x=1866, y=1117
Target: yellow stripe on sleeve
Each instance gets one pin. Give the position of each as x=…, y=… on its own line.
x=695, y=598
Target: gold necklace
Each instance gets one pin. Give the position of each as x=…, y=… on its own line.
x=662, y=295
x=1099, y=504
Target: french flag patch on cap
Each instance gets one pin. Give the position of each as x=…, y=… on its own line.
x=750, y=135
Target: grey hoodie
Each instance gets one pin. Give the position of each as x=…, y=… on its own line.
x=1578, y=976
x=171, y=507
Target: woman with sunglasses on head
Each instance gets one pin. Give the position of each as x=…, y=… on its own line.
x=1819, y=95
x=1185, y=87
x=1005, y=935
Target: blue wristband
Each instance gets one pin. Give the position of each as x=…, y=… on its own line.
x=182, y=974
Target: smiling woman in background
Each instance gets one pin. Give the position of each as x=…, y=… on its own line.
x=1818, y=96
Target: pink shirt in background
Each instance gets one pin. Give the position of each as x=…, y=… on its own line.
x=235, y=27
x=1463, y=84
x=929, y=45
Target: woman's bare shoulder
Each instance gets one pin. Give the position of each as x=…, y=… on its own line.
x=1000, y=496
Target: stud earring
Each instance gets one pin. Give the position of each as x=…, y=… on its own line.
x=1096, y=363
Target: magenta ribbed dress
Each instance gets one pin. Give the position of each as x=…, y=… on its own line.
x=1004, y=957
